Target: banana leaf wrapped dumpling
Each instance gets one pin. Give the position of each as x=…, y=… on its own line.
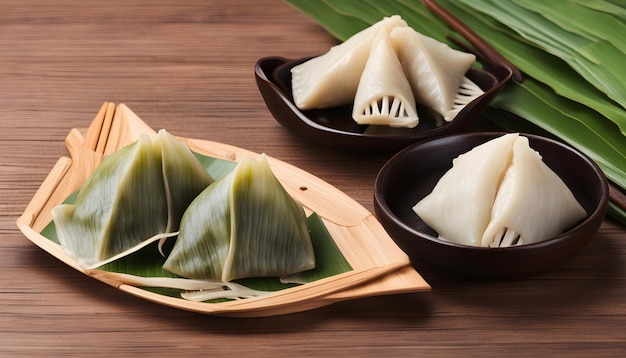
x=134, y=195
x=243, y=225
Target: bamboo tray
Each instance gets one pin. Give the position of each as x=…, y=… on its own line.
x=379, y=266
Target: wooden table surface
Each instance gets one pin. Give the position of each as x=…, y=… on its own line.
x=187, y=66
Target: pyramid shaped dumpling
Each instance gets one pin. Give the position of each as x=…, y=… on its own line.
x=435, y=70
x=332, y=79
x=135, y=194
x=500, y=194
x=532, y=204
x=459, y=207
x=243, y=225
x=384, y=95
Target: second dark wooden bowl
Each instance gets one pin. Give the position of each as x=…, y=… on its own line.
x=412, y=174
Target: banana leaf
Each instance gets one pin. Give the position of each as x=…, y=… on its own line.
x=598, y=61
x=617, y=9
x=607, y=148
x=577, y=18
x=148, y=261
x=589, y=120
x=331, y=20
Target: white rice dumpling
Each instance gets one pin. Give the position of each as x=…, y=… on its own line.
x=332, y=79
x=500, y=194
x=384, y=95
x=435, y=70
x=532, y=204
x=243, y=225
x=135, y=194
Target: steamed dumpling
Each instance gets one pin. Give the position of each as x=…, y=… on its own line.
x=243, y=225
x=183, y=175
x=459, y=207
x=500, y=194
x=532, y=204
x=384, y=95
x=332, y=79
x=436, y=71
x=135, y=194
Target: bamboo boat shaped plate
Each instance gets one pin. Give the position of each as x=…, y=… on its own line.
x=379, y=266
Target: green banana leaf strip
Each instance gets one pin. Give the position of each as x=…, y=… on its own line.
x=217, y=168
x=616, y=213
x=576, y=18
x=600, y=63
x=616, y=9
x=329, y=19
x=357, y=9
x=148, y=262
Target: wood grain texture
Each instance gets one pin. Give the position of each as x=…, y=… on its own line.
x=188, y=67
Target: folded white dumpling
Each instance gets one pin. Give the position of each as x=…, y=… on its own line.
x=332, y=79
x=532, y=204
x=436, y=72
x=459, y=207
x=500, y=194
x=384, y=95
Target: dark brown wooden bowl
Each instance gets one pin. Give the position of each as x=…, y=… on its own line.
x=412, y=173
x=335, y=127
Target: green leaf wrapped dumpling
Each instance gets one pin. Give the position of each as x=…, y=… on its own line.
x=243, y=225
x=134, y=195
